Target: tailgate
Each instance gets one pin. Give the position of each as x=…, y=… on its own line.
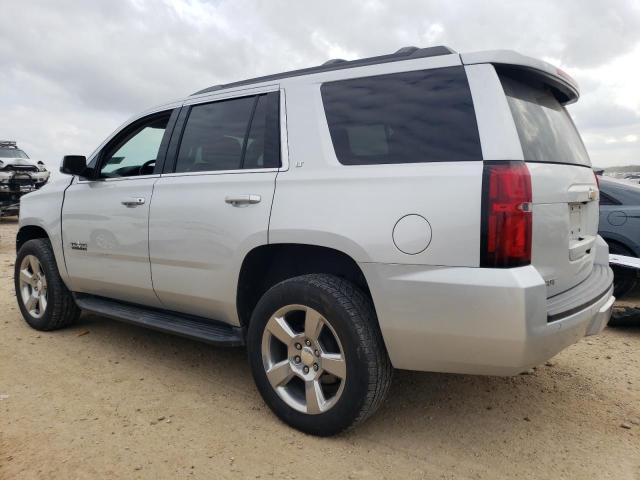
x=565, y=224
x=564, y=188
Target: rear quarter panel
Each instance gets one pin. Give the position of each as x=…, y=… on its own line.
x=354, y=208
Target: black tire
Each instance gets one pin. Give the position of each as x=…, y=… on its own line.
x=61, y=310
x=352, y=317
x=624, y=279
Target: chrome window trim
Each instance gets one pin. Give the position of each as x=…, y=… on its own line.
x=230, y=94
x=218, y=172
x=115, y=179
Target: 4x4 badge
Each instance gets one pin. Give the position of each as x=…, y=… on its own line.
x=78, y=246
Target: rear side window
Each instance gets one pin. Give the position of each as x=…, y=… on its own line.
x=545, y=129
x=409, y=117
x=231, y=135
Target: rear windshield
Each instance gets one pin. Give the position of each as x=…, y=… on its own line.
x=409, y=117
x=546, y=131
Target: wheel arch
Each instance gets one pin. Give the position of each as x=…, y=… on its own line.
x=29, y=232
x=622, y=241
x=266, y=265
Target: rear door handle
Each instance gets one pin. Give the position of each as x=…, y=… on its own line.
x=242, y=200
x=133, y=202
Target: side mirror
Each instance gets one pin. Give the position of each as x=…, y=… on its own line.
x=74, y=165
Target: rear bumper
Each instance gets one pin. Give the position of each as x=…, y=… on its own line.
x=477, y=321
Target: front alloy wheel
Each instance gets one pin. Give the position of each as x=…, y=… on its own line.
x=33, y=286
x=43, y=298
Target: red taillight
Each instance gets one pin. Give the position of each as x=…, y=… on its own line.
x=597, y=180
x=506, y=215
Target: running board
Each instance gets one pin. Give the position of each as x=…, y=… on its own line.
x=197, y=328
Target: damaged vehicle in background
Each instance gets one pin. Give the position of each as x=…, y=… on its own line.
x=18, y=175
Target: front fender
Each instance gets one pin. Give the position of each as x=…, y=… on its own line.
x=43, y=209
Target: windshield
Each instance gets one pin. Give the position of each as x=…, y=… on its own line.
x=12, y=153
x=546, y=131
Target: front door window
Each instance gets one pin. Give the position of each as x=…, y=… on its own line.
x=136, y=153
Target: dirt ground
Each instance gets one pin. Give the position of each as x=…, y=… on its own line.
x=109, y=400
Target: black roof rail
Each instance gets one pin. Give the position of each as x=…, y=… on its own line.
x=333, y=61
x=404, y=53
x=406, y=50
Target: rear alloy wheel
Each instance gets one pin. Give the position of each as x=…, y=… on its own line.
x=317, y=355
x=303, y=359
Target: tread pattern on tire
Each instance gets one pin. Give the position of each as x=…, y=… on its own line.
x=63, y=309
x=364, y=318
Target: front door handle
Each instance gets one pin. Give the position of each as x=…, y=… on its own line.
x=133, y=202
x=242, y=200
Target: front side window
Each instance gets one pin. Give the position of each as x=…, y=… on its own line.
x=231, y=135
x=136, y=151
x=408, y=117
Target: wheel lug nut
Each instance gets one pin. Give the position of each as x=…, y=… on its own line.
x=298, y=346
x=317, y=353
x=305, y=369
x=315, y=367
x=307, y=342
x=297, y=359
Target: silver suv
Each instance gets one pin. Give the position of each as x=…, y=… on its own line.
x=423, y=210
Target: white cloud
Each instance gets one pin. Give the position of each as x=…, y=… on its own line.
x=72, y=70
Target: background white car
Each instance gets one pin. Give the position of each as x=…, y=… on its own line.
x=18, y=175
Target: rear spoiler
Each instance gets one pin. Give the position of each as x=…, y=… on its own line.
x=530, y=69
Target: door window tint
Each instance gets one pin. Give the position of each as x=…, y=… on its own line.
x=230, y=135
x=135, y=153
x=263, y=140
x=409, y=117
x=214, y=135
x=254, y=153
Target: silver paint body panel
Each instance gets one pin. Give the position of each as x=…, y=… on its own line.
x=42, y=209
x=184, y=247
x=116, y=262
x=198, y=241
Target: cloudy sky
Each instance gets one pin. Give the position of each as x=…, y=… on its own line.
x=72, y=71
